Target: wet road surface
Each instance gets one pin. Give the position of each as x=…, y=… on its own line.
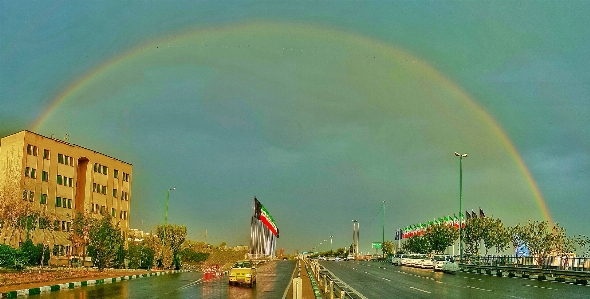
x=379, y=280
x=272, y=281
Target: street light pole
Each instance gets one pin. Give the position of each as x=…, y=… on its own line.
x=166, y=217
x=383, y=231
x=461, y=156
x=331, y=249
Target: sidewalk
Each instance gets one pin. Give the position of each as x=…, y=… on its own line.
x=307, y=288
x=12, y=291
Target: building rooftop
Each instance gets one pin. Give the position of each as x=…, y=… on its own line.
x=66, y=143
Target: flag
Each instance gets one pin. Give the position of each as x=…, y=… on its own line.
x=473, y=215
x=262, y=214
x=481, y=214
x=462, y=221
x=456, y=221
x=467, y=215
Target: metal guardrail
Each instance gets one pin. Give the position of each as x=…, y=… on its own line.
x=569, y=264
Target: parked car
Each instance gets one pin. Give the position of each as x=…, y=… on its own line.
x=397, y=259
x=408, y=259
x=243, y=272
x=440, y=260
x=426, y=262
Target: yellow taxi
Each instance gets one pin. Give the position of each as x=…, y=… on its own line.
x=243, y=272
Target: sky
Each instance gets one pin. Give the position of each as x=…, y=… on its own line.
x=323, y=110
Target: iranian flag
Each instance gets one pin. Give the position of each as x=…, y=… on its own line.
x=456, y=222
x=263, y=215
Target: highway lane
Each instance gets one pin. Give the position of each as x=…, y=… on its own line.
x=378, y=280
x=273, y=280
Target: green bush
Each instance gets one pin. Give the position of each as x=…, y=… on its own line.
x=12, y=258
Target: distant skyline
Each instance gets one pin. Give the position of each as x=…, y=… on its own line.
x=320, y=110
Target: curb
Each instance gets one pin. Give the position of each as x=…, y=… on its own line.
x=314, y=285
x=77, y=284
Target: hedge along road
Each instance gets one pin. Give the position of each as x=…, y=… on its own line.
x=380, y=280
x=273, y=279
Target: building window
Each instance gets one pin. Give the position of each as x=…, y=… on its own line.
x=31, y=150
x=115, y=173
x=46, y=154
x=115, y=193
x=60, y=158
x=67, y=160
x=102, y=209
x=71, y=182
x=99, y=168
x=43, y=199
x=59, y=180
x=44, y=176
x=104, y=190
x=34, y=173
x=113, y=212
x=31, y=195
x=69, y=203
x=68, y=227
x=93, y=187
x=56, y=228
x=64, y=203
x=27, y=170
x=63, y=226
x=25, y=194
x=58, y=201
x=105, y=170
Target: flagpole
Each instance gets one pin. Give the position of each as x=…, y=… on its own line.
x=460, y=203
x=383, y=232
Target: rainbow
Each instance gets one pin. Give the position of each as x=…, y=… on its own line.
x=386, y=49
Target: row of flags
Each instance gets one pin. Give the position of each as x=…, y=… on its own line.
x=420, y=228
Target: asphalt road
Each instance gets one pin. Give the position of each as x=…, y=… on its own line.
x=379, y=280
x=273, y=280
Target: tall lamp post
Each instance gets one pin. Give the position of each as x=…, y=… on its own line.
x=383, y=231
x=166, y=217
x=331, y=250
x=461, y=156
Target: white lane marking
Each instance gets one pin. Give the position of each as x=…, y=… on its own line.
x=417, y=289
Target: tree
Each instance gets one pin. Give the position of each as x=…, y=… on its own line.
x=583, y=242
x=173, y=237
x=388, y=248
x=417, y=244
x=105, y=241
x=472, y=235
x=542, y=241
x=341, y=252
x=494, y=234
x=440, y=236
x=516, y=237
x=80, y=236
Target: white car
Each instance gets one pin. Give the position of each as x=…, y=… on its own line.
x=397, y=259
x=440, y=260
x=406, y=259
x=414, y=260
x=426, y=262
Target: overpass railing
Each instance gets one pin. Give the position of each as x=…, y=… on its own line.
x=574, y=264
x=330, y=285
